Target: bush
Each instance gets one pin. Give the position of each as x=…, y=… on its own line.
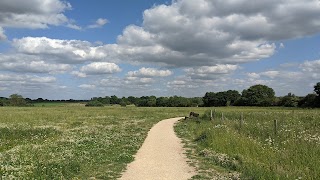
x=94, y=103
x=123, y=103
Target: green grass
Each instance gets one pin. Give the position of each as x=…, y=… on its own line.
x=73, y=142
x=254, y=150
x=49, y=104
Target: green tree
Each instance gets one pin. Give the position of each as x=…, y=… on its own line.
x=132, y=100
x=151, y=101
x=220, y=98
x=232, y=96
x=258, y=95
x=3, y=101
x=17, y=100
x=308, y=101
x=94, y=103
x=162, y=102
x=105, y=100
x=208, y=99
x=114, y=100
x=123, y=103
x=317, y=88
x=289, y=100
x=196, y=102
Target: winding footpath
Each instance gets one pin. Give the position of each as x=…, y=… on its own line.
x=161, y=156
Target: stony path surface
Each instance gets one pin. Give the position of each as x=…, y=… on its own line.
x=160, y=157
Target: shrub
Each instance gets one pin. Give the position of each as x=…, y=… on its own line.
x=94, y=103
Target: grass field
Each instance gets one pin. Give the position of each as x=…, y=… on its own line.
x=57, y=104
x=255, y=149
x=73, y=142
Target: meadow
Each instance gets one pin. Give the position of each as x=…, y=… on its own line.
x=255, y=147
x=74, y=142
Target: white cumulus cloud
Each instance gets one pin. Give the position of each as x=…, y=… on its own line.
x=211, y=72
x=23, y=63
x=33, y=14
x=99, y=23
x=2, y=35
x=87, y=86
x=149, y=72
x=311, y=66
x=97, y=68
x=68, y=51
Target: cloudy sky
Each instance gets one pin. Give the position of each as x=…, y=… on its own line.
x=80, y=49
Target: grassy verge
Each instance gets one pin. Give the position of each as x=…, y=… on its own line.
x=253, y=149
x=73, y=142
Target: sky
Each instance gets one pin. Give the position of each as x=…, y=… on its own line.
x=78, y=49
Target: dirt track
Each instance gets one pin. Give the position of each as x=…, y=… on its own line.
x=160, y=157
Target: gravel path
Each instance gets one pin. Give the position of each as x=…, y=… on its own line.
x=160, y=157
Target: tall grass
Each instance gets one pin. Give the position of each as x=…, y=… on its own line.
x=255, y=148
x=74, y=142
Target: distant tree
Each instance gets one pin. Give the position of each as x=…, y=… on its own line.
x=39, y=100
x=196, y=102
x=308, y=101
x=289, y=100
x=3, y=101
x=151, y=101
x=162, y=102
x=17, y=100
x=208, y=99
x=132, y=100
x=232, y=96
x=178, y=101
x=123, y=103
x=94, y=103
x=317, y=90
x=114, y=100
x=258, y=95
x=106, y=100
x=224, y=98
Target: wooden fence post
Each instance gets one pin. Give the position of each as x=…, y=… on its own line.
x=241, y=121
x=222, y=117
x=275, y=124
x=211, y=117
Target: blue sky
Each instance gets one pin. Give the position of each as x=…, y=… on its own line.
x=79, y=49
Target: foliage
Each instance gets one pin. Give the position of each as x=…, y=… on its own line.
x=289, y=100
x=317, y=91
x=317, y=88
x=225, y=98
x=17, y=100
x=123, y=103
x=308, y=101
x=257, y=95
x=94, y=103
x=252, y=148
x=3, y=101
x=147, y=101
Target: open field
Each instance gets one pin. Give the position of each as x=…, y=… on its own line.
x=80, y=142
x=256, y=148
x=74, y=142
x=57, y=104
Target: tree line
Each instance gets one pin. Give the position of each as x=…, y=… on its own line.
x=261, y=95
x=147, y=101
x=257, y=95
